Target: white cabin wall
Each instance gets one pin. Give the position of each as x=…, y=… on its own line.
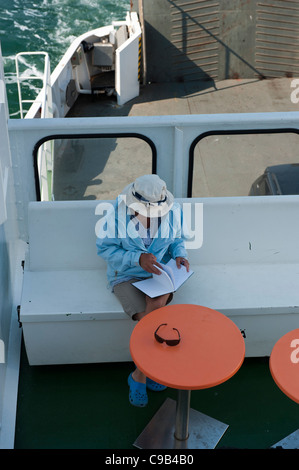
x=11, y=252
x=126, y=66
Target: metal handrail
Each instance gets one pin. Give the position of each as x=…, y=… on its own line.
x=44, y=98
x=46, y=83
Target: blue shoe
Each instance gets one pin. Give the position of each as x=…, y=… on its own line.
x=137, y=393
x=154, y=386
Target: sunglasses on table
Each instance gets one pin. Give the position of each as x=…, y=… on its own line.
x=169, y=342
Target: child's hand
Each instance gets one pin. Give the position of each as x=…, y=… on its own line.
x=148, y=261
x=182, y=261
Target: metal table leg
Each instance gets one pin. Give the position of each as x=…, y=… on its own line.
x=177, y=426
x=182, y=415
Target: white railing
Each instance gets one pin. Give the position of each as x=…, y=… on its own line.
x=45, y=97
x=172, y=136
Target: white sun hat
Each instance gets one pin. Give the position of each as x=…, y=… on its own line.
x=148, y=195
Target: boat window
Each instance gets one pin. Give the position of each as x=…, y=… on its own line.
x=261, y=187
x=89, y=167
x=229, y=164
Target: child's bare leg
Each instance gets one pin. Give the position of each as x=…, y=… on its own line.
x=151, y=304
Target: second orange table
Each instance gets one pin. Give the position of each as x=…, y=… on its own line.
x=284, y=367
x=211, y=350
x=284, y=364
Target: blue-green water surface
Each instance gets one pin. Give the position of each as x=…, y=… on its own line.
x=49, y=26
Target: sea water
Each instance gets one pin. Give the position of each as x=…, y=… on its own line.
x=49, y=26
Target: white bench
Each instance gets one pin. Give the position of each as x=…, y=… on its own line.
x=247, y=268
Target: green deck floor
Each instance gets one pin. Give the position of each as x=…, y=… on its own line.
x=87, y=407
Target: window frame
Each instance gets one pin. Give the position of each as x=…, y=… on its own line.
x=89, y=136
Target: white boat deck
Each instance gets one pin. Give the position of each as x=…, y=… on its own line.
x=227, y=96
x=224, y=165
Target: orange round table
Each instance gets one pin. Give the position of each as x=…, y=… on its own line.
x=211, y=351
x=284, y=364
x=284, y=367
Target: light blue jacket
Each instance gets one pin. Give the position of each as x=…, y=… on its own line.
x=122, y=251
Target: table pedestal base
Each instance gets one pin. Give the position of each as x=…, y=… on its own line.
x=289, y=442
x=204, y=432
